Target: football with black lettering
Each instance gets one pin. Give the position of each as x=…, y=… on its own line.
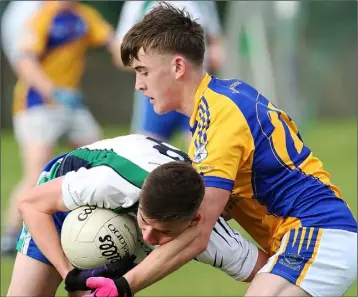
x=92, y=236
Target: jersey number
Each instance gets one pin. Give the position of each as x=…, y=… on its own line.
x=169, y=151
x=274, y=124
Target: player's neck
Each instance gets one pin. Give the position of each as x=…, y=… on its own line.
x=191, y=85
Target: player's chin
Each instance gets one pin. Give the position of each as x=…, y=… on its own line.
x=159, y=109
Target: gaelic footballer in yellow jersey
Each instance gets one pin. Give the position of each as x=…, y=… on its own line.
x=59, y=39
x=254, y=164
x=279, y=189
x=244, y=144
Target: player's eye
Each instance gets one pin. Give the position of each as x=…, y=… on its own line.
x=166, y=232
x=144, y=73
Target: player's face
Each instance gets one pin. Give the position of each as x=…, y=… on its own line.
x=158, y=233
x=157, y=76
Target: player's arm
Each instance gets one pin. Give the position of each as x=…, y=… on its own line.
x=36, y=207
x=230, y=252
x=29, y=69
x=31, y=46
x=101, y=33
x=98, y=186
x=189, y=244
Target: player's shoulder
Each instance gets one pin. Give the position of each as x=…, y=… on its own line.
x=232, y=94
x=125, y=145
x=19, y=8
x=15, y=19
x=118, y=141
x=40, y=13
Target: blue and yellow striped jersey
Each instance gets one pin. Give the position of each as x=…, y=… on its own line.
x=244, y=144
x=59, y=39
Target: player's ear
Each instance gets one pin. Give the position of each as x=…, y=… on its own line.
x=179, y=66
x=195, y=220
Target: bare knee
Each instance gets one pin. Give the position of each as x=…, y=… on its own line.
x=31, y=277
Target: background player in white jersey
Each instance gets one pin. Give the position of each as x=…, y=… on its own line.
x=110, y=174
x=144, y=119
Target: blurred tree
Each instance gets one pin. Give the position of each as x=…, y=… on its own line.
x=109, y=9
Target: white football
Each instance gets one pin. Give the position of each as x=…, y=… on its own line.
x=92, y=236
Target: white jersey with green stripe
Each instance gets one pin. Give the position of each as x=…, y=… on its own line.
x=110, y=173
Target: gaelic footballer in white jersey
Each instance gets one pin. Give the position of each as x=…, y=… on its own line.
x=110, y=174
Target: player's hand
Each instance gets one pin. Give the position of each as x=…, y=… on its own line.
x=105, y=287
x=76, y=278
x=71, y=98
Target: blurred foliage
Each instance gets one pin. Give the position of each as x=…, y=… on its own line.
x=110, y=10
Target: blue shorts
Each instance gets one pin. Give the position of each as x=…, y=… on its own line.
x=145, y=120
x=25, y=244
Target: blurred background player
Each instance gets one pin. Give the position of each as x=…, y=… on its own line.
x=144, y=119
x=46, y=42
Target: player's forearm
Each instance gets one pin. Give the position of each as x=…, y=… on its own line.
x=166, y=259
x=36, y=207
x=43, y=231
x=114, y=47
x=185, y=247
x=29, y=70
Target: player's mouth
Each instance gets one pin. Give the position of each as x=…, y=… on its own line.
x=151, y=99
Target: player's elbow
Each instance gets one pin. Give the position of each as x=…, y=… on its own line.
x=23, y=62
x=24, y=66
x=28, y=202
x=23, y=203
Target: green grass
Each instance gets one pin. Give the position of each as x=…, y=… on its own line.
x=334, y=142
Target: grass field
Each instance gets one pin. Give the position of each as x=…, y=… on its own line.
x=334, y=142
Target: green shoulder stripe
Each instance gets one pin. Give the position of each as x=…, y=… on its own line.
x=50, y=175
x=127, y=169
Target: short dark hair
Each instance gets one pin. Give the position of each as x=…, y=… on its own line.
x=172, y=191
x=165, y=29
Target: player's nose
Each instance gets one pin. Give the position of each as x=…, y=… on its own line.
x=149, y=237
x=139, y=84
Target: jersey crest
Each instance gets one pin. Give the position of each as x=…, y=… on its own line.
x=200, y=153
